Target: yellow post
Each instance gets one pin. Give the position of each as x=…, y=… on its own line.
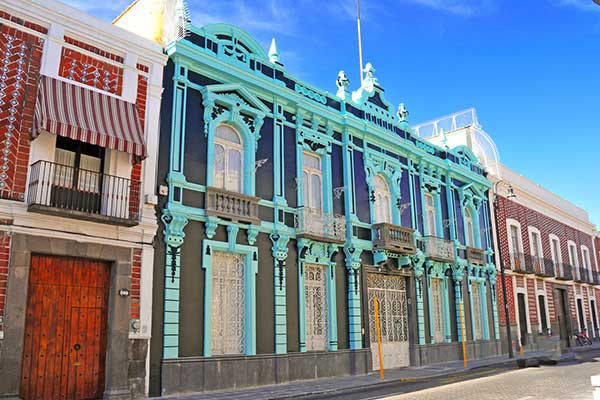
x=381, y=372
x=462, y=324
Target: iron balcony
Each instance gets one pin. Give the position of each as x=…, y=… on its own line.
x=71, y=192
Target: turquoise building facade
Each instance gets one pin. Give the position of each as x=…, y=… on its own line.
x=288, y=209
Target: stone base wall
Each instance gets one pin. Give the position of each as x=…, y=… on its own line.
x=138, y=350
x=199, y=374
x=444, y=352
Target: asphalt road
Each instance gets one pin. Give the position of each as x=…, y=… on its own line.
x=565, y=381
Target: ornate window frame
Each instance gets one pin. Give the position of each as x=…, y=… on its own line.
x=511, y=250
x=530, y=231
x=251, y=254
x=233, y=105
x=472, y=199
x=391, y=173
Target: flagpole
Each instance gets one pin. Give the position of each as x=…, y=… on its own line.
x=360, y=59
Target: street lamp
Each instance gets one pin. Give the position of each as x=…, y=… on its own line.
x=511, y=195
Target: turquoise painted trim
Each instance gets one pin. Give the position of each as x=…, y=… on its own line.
x=447, y=324
x=459, y=301
x=413, y=200
x=486, y=329
x=430, y=309
x=250, y=292
x=280, y=253
x=439, y=225
x=450, y=205
x=420, y=312
x=301, y=304
x=332, y=332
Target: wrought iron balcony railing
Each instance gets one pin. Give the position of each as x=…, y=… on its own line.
x=538, y=265
x=595, y=277
x=62, y=190
x=231, y=205
x=394, y=238
x=564, y=272
x=517, y=263
x=579, y=274
x=318, y=225
x=531, y=264
x=548, y=268
x=476, y=256
x=437, y=249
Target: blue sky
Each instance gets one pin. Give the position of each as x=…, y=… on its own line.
x=530, y=67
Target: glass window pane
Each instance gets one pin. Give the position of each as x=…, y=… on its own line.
x=89, y=177
x=316, y=192
x=379, y=183
x=227, y=133
x=63, y=173
x=234, y=171
x=311, y=161
x=219, y=176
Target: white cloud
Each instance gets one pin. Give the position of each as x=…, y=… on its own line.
x=583, y=5
x=465, y=8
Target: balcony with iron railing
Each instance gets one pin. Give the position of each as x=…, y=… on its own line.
x=437, y=249
x=232, y=205
x=541, y=266
x=595, y=277
x=564, y=272
x=394, y=238
x=66, y=191
x=316, y=224
x=475, y=256
x=581, y=274
x=517, y=263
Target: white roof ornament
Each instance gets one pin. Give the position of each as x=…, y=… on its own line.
x=368, y=85
x=177, y=20
x=273, y=52
x=342, y=82
x=402, y=113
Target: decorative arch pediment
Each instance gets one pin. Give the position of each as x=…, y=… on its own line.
x=466, y=157
x=236, y=42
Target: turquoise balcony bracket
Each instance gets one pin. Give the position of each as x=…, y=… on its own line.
x=279, y=250
x=353, y=268
x=173, y=237
x=419, y=273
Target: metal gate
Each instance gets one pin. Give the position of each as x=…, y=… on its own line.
x=437, y=308
x=393, y=317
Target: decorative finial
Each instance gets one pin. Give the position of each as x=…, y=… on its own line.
x=342, y=82
x=402, y=113
x=273, y=52
x=369, y=71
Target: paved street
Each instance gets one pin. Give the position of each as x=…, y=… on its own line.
x=566, y=381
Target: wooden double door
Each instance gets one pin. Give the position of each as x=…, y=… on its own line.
x=64, y=348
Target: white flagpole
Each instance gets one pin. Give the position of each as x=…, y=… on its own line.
x=360, y=59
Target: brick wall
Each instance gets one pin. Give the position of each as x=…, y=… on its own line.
x=136, y=274
x=532, y=304
x=527, y=217
x=20, y=54
x=4, y=259
x=91, y=71
x=550, y=300
x=510, y=298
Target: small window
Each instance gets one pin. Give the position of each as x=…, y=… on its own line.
x=228, y=159
x=430, y=215
x=382, y=200
x=469, y=231
x=312, y=178
x=542, y=308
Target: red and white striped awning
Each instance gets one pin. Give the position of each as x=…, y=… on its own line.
x=88, y=116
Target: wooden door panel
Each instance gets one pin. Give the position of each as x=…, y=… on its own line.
x=67, y=306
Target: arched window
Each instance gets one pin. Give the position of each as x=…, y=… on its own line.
x=430, y=214
x=229, y=157
x=469, y=236
x=382, y=200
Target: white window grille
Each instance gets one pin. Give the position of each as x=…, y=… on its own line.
x=476, y=307
x=437, y=309
x=228, y=303
x=382, y=200
x=393, y=319
x=315, y=292
x=229, y=157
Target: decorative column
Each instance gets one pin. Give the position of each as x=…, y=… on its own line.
x=419, y=272
x=173, y=237
x=458, y=275
x=280, y=252
x=492, y=275
x=484, y=310
x=447, y=328
x=353, y=264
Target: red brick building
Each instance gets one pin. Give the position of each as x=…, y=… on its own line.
x=552, y=277
x=79, y=101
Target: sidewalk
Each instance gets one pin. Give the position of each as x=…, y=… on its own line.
x=348, y=383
